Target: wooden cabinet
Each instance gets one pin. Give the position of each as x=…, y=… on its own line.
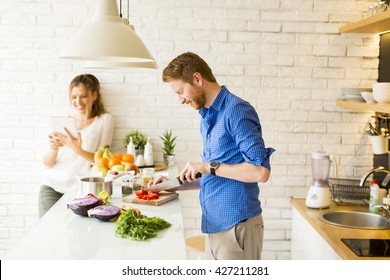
x=375, y=24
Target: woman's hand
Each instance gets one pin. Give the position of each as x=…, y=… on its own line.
x=68, y=140
x=74, y=143
x=54, y=142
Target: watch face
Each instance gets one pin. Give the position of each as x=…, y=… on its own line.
x=213, y=166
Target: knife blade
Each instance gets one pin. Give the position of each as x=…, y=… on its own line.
x=169, y=184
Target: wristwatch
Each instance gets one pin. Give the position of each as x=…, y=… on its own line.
x=213, y=167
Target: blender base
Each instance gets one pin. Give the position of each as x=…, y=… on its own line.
x=318, y=197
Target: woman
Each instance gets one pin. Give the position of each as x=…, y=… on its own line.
x=67, y=156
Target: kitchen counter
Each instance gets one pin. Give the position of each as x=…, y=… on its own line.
x=333, y=234
x=61, y=234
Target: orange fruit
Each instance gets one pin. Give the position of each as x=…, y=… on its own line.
x=113, y=161
x=128, y=158
x=103, y=161
x=118, y=156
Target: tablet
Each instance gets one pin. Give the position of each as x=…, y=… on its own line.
x=58, y=124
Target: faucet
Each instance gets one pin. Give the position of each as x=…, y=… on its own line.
x=386, y=209
x=375, y=170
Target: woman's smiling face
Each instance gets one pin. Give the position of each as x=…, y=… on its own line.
x=82, y=100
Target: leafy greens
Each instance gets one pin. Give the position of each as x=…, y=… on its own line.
x=139, y=227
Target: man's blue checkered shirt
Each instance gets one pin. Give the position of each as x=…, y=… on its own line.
x=231, y=133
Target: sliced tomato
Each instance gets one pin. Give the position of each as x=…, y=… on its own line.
x=152, y=195
x=146, y=195
x=142, y=192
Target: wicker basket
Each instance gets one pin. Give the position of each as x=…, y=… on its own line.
x=348, y=191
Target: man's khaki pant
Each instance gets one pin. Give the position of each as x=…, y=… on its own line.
x=244, y=241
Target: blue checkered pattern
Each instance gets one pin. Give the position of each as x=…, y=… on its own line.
x=231, y=133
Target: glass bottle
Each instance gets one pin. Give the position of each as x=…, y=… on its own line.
x=131, y=148
x=148, y=154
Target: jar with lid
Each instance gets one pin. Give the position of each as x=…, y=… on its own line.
x=127, y=190
x=127, y=187
x=137, y=182
x=147, y=175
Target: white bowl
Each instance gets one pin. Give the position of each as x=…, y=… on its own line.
x=368, y=96
x=381, y=92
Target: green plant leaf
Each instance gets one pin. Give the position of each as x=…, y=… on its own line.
x=169, y=142
x=139, y=139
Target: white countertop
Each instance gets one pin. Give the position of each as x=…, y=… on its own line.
x=61, y=234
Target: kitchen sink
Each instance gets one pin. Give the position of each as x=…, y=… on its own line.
x=355, y=219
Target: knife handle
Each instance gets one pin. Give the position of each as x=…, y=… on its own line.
x=198, y=175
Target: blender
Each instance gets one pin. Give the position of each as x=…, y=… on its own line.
x=319, y=192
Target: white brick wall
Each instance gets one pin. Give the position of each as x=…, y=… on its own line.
x=285, y=57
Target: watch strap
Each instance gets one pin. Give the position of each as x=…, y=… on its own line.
x=213, y=167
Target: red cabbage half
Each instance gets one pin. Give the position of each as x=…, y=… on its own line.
x=80, y=206
x=104, y=212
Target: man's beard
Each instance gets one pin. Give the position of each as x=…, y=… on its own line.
x=199, y=99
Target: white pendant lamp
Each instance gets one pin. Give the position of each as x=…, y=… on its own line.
x=114, y=65
x=106, y=38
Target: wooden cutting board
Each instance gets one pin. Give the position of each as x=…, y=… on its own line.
x=158, y=166
x=163, y=198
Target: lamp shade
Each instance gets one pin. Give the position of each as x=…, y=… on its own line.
x=113, y=65
x=106, y=38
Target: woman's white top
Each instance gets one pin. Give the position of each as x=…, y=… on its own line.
x=63, y=174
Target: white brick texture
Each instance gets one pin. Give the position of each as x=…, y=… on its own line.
x=284, y=56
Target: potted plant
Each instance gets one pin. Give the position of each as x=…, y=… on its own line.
x=169, y=147
x=139, y=140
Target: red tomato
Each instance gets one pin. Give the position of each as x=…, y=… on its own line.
x=152, y=195
x=142, y=192
x=146, y=195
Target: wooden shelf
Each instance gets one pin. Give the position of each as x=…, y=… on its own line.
x=362, y=106
x=374, y=24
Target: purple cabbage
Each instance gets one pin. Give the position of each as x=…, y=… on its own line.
x=80, y=206
x=104, y=212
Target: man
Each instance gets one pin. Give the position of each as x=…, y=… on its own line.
x=234, y=160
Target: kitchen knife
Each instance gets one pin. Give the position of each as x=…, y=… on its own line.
x=171, y=184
